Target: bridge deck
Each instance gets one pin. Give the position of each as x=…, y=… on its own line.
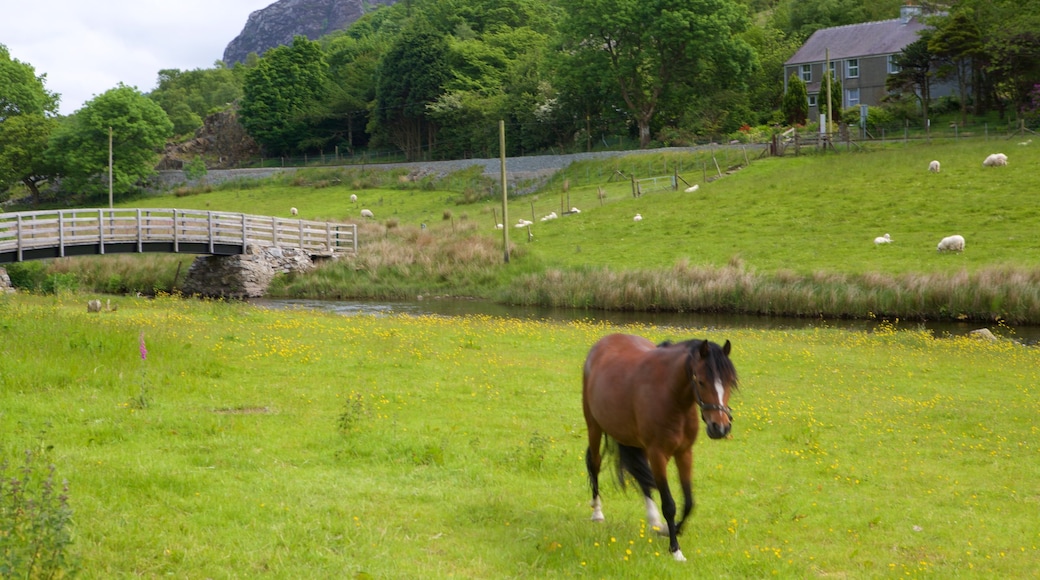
x=37, y=235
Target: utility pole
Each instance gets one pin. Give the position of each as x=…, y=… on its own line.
x=505, y=203
x=110, y=168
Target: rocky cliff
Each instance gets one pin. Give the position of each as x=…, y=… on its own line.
x=277, y=24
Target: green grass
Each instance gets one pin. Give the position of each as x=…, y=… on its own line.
x=805, y=214
x=797, y=231
x=298, y=444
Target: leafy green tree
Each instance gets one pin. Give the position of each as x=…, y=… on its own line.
x=23, y=147
x=188, y=97
x=956, y=45
x=835, y=96
x=79, y=145
x=27, y=111
x=352, y=91
x=800, y=18
x=411, y=76
x=656, y=46
x=796, y=101
x=915, y=73
x=766, y=85
x=1014, y=64
x=284, y=94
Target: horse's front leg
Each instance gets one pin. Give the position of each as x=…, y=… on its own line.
x=659, y=465
x=684, y=464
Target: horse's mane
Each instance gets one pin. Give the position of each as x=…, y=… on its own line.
x=719, y=365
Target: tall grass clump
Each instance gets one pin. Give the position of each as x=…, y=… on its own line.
x=993, y=294
x=406, y=261
x=35, y=520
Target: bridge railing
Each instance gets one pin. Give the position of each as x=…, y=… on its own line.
x=61, y=229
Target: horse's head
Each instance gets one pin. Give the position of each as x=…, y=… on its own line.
x=713, y=376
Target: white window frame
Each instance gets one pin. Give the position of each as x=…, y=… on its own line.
x=893, y=68
x=806, y=73
x=834, y=72
x=852, y=68
x=812, y=101
x=852, y=97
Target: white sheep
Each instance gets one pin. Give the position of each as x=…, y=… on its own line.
x=995, y=160
x=522, y=223
x=498, y=226
x=885, y=239
x=575, y=210
x=933, y=166
x=951, y=244
x=693, y=188
x=638, y=218
x=353, y=198
x=367, y=213
x=293, y=211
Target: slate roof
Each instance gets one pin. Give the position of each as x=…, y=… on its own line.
x=858, y=40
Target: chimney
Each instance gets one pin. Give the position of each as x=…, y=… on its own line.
x=908, y=11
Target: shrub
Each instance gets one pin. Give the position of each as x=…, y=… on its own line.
x=35, y=519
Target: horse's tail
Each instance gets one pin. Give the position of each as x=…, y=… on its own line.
x=632, y=460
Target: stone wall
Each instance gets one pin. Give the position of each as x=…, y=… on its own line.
x=5, y=281
x=245, y=275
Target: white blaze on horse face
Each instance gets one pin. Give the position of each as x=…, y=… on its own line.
x=720, y=391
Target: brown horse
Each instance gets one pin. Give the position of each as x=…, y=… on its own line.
x=646, y=398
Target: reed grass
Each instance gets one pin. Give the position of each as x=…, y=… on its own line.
x=301, y=444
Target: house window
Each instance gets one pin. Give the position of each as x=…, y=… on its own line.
x=812, y=101
x=852, y=97
x=807, y=73
x=833, y=74
x=893, y=68
x=852, y=68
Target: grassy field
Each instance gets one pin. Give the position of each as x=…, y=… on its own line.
x=803, y=214
x=247, y=443
x=789, y=236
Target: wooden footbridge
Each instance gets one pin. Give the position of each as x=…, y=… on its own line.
x=36, y=235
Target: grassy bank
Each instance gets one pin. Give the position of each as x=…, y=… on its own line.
x=250, y=443
x=789, y=236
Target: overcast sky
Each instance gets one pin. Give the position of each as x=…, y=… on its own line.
x=89, y=46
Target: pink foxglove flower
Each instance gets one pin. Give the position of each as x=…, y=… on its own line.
x=144, y=351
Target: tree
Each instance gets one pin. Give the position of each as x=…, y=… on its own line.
x=352, y=72
x=1015, y=63
x=190, y=96
x=835, y=97
x=412, y=75
x=283, y=94
x=796, y=102
x=955, y=44
x=915, y=72
x=651, y=45
x=27, y=111
x=78, y=148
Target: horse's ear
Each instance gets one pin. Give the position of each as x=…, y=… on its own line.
x=704, y=349
x=726, y=348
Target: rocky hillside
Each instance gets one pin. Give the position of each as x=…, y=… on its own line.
x=277, y=24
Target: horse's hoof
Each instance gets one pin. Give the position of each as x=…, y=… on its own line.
x=678, y=556
x=598, y=518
